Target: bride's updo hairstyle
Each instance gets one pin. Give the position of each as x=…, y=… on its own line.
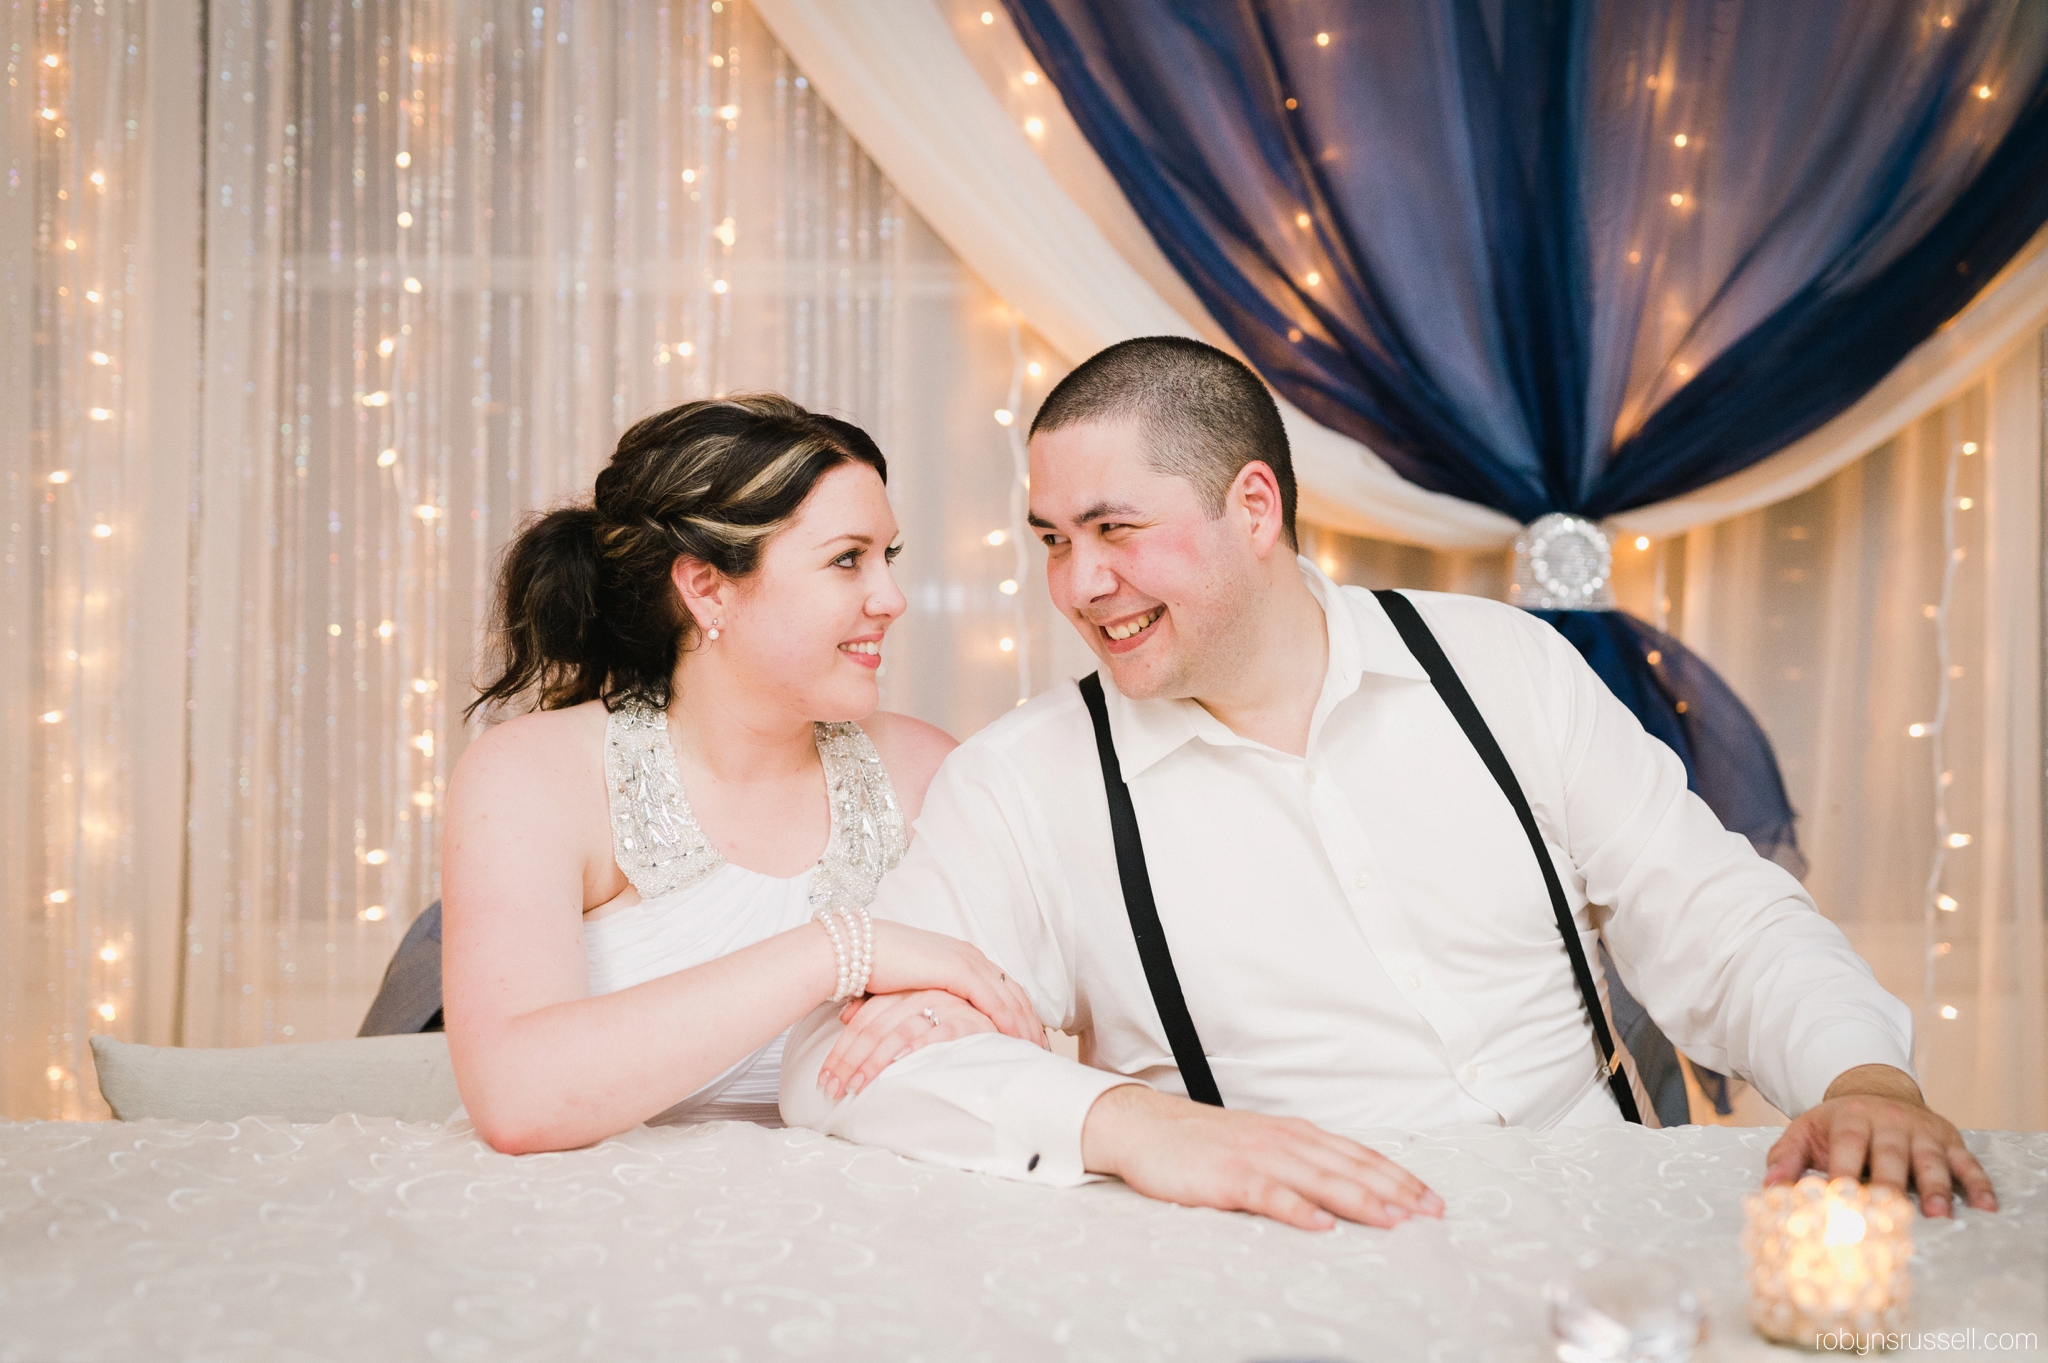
x=585, y=607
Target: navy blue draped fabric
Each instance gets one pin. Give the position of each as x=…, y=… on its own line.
x=1574, y=255
x=1681, y=700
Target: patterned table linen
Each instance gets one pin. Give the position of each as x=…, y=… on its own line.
x=373, y=1239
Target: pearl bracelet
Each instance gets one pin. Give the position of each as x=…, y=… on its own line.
x=864, y=949
x=840, y=991
x=855, y=952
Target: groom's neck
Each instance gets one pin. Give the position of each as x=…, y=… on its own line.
x=1268, y=692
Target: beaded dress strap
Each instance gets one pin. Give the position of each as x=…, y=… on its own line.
x=868, y=836
x=658, y=844
x=655, y=838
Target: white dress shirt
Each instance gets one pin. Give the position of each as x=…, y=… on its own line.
x=1362, y=934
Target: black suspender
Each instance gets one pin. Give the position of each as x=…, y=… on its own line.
x=1151, y=938
x=1444, y=678
x=1137, y=883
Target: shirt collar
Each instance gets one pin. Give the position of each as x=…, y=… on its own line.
x=1370, y=641
x=1362, y=640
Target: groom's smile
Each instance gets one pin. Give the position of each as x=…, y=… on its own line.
x=1127, y=632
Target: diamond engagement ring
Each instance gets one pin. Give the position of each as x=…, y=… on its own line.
x=931, y=1017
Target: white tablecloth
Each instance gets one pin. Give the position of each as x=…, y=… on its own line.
x=372, y=1239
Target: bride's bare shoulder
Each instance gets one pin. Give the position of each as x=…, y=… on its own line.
x=540, y=746
x=912, y=751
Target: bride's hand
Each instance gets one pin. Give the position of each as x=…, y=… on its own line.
x=883, y=1028
x=908, y=958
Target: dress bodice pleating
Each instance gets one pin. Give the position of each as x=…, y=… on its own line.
x=696, y=907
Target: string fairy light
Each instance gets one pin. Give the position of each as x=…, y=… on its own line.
x=1019, y=532
x=1945, y=839
x=71, y=877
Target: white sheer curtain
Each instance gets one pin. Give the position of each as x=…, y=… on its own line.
x=1828, y=614
x=99, y=234
x=451, y=247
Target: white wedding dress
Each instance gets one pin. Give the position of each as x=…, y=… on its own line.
x=695, y=906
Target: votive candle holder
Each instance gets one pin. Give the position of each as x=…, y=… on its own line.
x=1827, y=1256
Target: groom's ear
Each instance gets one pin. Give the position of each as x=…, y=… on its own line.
x=702, y=587
x=1255, y=495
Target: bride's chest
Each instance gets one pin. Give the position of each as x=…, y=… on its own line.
x=777, y=829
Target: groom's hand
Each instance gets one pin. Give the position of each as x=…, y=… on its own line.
x=1874, y=1116
x=1282, y=1167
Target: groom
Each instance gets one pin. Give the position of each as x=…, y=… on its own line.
x=1354, y=911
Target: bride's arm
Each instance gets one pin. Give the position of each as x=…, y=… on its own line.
x=541, y=1064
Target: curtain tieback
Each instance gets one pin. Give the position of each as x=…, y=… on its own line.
x=1563, y=563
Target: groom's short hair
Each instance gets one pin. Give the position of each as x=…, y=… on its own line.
x=1205, y=415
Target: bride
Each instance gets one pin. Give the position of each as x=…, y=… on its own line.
x=636, y=904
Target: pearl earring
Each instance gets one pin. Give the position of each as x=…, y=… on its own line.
x=713, y=631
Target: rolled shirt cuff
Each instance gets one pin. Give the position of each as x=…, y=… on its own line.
x=1829, y=1054
x=989, y=1103
x=1041, y=1114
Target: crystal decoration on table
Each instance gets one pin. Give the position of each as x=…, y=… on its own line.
x=1640, y=1309
x=1827, y=1256
x=1563, y=563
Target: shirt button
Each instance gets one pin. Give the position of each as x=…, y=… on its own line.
x=1414, y=980
x=1362, y=879
x=1311, y=775
x=1471, y=1071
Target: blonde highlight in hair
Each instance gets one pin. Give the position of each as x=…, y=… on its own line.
x=586, y=608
